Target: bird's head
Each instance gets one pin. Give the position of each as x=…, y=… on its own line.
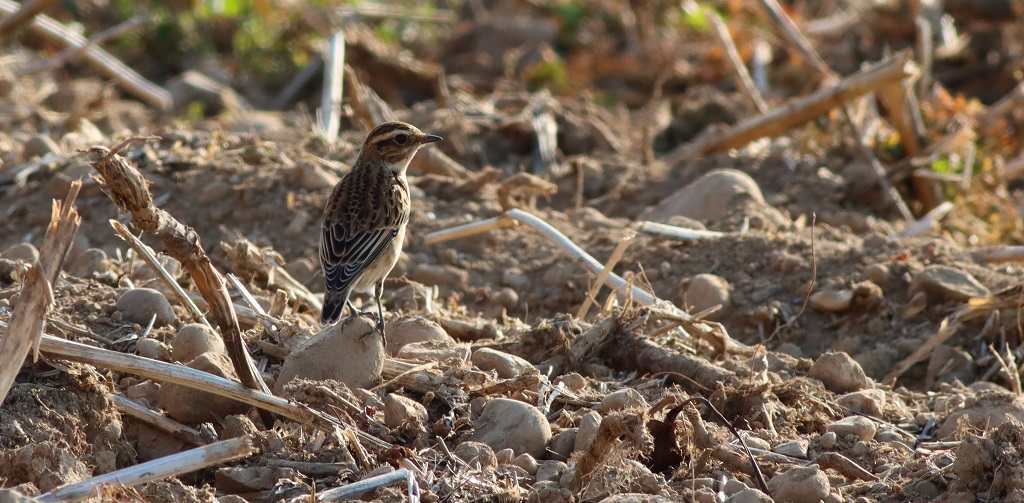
x=395, y=143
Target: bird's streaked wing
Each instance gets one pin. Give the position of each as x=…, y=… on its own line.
x=344, y=256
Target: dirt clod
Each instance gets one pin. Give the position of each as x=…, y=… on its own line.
x=515, y=425
x=839, y=372
x=349, y=352
x=192, y=406
x=193, y=340
x=140, y=305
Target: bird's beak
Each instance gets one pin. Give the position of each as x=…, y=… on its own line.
x=430, y=138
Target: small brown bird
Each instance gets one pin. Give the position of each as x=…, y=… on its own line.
x=364, y=223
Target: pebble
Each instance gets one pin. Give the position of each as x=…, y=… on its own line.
x=626, y=398
x=138, y=305
x=733, y=486
x=550, y=470
x=982, y=416
x=153, y=349
x=146, y=390
x=342, y=351
x=506, y=423
x=749, y=496
x=948, y=283
x=415, y=329
x=800, y=484
x=708, y=198
x=948, y=364
x=155, y=444
x=169, y=264
x=244, y=479
x=550, y=492
x=704, y=291
x=478, y=455
x=526, y=462
x=297, y=226
x=793, y=449
x=24, y=252
x=636, y=498
x=435, y=351
x=573, y=381
x=839, y=373
x=505, y=365
x=564, y=442
x=867, y=401
x=828, y=440
x=877, y=274
x=587, y=432
x=193, y=406
x=858, y=426
x=38, y=146
x=89, y=263
x=505, y=456
x=832, y=300
x=309, y=176
x=193, y=340
x=237, y=426
x=444, y=276
x=756, y=442
x=215, y=191
x=399, y=410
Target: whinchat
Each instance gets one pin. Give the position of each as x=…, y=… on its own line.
x=364, y=222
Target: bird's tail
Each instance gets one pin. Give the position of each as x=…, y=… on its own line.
x=334, y=304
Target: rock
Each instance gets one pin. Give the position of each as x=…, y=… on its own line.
x=169, y=264
x=435, y=351
x=350, y=352
x=297, y=226
x=257, y=121
x=626, y=398
x=415, y=329
x=733, y=486
x=877, y=274
x=153, y=349
x=832, y=300
x=573, y=381
x=828, y=440
x=708, y=198
x=505, y=456
x=564, y=443
x=983, y=416
x=478, y=455
x=243, y=479
x=868, y=401
x=192, y=406
x=801, y=484
x=215, y=191
x=146, y=390
x=506, y=423
x=193, y=340
x=839, y=373
x=139, y=305
x=505, y=365
x=858, y=426
x=704, y=291
x=948, y=364
x=89, y=264
x=947, y=283
x=154, y=444
x=756, y=442
x=445, y=276
x=23, y=252
x=550, y=470
x=192, y=87
x=399, y=410
x=587, y=432
x=749, y=496
x=76, y=95
x=793, y=449
x=312, y=177
x=38, y=146
x=550, y=492
x=526, y=462
x=237, y=426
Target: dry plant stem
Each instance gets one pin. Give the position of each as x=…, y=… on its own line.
x=329, y=115
x=876, y=166
x=680, y=233
x=362, y=487
x=844, y=465
x=28, y=11
x=128, y=188
x=29, y=316
x=928, y=221
x=946, y=330
x=895, y=99
x=57, y=348
x=792, y=33
x=74, y=51
x=739, y=70
x=1012, y=101
x=150, y=258
x=602, y=276
x=96, y=56
x=801, y=111
x=169, y=466
x=130, y=408
x=995, y=254
x=1010, y=369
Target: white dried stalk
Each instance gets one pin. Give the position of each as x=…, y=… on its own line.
x=680, y=233
x=169, y=466
x=993, y=254
x=602, y=276
x=928, y=221
x=71, y=52
x=329, y=115
x=362, y=487
x=150, y=417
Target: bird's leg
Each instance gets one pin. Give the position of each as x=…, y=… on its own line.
x=379, y=292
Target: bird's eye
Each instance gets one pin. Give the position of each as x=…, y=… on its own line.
x=401, y=139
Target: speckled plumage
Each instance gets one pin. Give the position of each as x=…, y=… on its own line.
x=364, y=222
